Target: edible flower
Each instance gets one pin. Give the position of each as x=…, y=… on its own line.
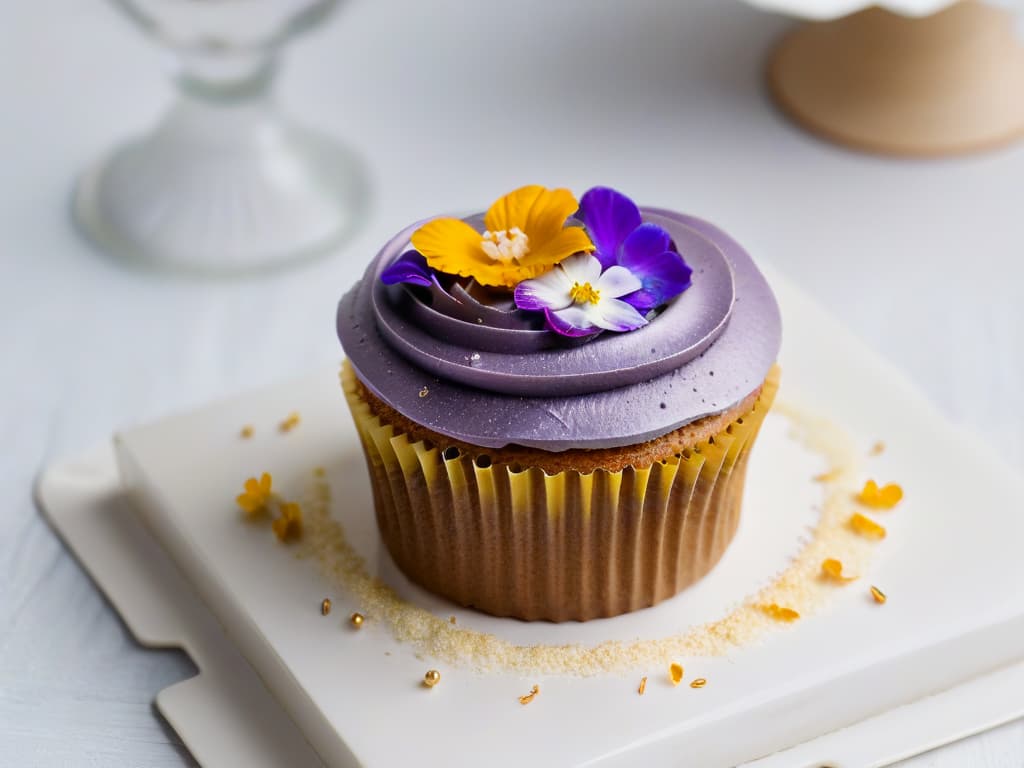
x=289, y=524
x=525, y=236
x=865, y=526
x=886, y=497
x=613, y=222
x=411, y=268
x=580, y=298
x=833, y=569
x=256, y=495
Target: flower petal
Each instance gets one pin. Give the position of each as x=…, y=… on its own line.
x=581, y=268
x=453, y=246
x=571, y=321
x=265, y=482
x=513, y=209
x=410, y=267
x=609, y=217
x=539, y=212
x=252, y=486
x=549, y=291
x=554, y=250
x=548, y=215
x=247, y=502
x=645, y=242
x=617, y=281
x=663, y=272
x=615, y=315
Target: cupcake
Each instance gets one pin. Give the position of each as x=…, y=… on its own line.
x=557, y=400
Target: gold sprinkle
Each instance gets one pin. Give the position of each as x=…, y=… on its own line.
x=780, y=613
x=878, y=448
x=885, y=497
x=290, y=422
x=643, y=686
x=325, y=606
x=247, y=431
x=424, y=392
x=833, y=569
x=866, y=526
x=432, y=678
x=530, y=696
x=828, y=477
x=320, y=472
x=878, y=594
x=451, y=619
x=357, y=620
x=675, y=673
x=700, y=682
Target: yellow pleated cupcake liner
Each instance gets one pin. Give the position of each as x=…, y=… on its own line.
x=517, y=541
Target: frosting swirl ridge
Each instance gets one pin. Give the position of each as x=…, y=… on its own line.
x=492, y=386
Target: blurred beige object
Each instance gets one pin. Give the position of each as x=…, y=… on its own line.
x=947, y=83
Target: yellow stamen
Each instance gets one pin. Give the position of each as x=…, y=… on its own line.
x=584, y=294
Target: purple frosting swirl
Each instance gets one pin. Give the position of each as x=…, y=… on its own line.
x=707, y=351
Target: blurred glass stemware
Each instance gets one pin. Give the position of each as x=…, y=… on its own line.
x=224, y=183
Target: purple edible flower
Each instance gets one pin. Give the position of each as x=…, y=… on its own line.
x=621, y=238
x=411, y=268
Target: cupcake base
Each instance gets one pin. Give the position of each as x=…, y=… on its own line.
x=557, y=536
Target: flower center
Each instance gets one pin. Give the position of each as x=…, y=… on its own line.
x=506, y=245
x=584, y=294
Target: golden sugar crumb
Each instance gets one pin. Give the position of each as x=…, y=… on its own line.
x=325, y=606
x=431, y=678
x=878, y=594
x=643, y=686
x=828, y=477
x=530, y=696
x=451, y=619
x=356, y=620
x=886, y=497
x=700, y=682
x=288, y=526
x=247, y=431
x=866, y=526
x=319, y=472
x=290, y=422
x=833, y=569
x=780, y=613
x=424, y=392
x=675, y=673
x=256, y=494
x=878, y=448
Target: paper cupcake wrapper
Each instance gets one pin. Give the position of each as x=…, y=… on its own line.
x=516, y=541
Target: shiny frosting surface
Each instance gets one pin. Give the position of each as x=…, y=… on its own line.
x=493, y=386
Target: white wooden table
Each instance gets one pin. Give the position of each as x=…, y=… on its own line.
x=660, y=98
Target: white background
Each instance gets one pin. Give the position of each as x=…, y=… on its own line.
x=451, y=104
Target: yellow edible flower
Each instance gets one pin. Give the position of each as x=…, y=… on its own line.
x=256, y=495
x=289, y=524
x=886, y=497
x=525, y=236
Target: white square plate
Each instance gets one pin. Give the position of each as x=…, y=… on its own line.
x=950, y=566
